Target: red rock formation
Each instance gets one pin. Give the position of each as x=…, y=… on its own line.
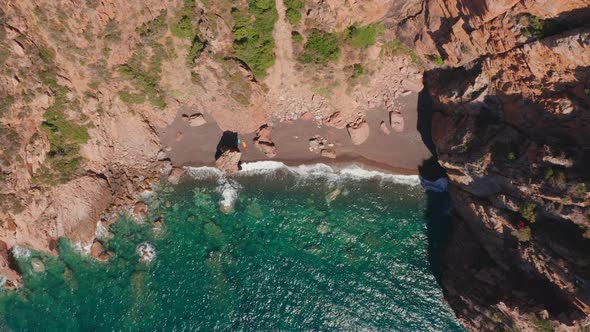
x=513, y=133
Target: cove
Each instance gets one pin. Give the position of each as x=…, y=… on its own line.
x=304, y=248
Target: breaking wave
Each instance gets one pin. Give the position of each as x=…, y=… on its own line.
x=331, y=173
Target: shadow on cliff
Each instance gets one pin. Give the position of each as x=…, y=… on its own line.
x=480, y=268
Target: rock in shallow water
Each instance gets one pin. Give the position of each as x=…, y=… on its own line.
x=146, y=252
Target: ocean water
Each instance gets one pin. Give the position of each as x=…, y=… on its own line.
x=303, y=249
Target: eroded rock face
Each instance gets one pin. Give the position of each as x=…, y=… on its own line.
x=512, y=132
x=359, y=132
x=263, y=142
x=229, y=161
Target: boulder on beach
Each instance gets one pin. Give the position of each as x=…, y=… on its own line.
x=263, y=141
x=384, y=128
x=229, y=161
x=396, y=121
x=328, y=153
x=306, y=116
x=194, y=120
x=358, y=132
x=335, y=120
x=415, y=85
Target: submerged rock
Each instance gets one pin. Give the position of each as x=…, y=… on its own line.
x=146, y=252
x=37, y=265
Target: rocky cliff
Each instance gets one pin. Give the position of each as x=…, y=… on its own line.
x=85, y=85
x=511, y=128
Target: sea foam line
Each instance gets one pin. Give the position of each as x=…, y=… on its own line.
x=350, y=172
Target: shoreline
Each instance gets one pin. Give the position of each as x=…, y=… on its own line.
x=394, y=153
x=340, y=162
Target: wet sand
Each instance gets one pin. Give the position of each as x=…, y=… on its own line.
x=399, y=153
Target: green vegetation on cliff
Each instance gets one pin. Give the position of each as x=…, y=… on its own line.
x=65, y=136
x=184, y=28
x=363, y=36
x=535, y=27
x=145, y=72
x=253, y=39
x=396, y=47
x=321, y=47
x=294, y=8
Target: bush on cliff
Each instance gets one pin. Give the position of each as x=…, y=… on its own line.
x=294, y=10
x=363, y=36
x=253, y=39
x=321, y=47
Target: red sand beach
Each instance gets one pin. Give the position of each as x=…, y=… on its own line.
x=399, y=153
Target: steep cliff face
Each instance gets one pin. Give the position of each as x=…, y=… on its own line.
x=512, y=131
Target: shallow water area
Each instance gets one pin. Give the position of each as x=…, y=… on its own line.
x=302, y=248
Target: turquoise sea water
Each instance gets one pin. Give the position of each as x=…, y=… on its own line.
x=304, y=249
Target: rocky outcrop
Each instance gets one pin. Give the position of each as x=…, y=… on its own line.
x=511, y=129
x=263, y=142
x=359, y=132
x=229, y=161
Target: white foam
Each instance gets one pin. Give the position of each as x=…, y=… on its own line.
x=204, y=172
x=21, y=252
x=229, y=190
x=350, y=172
x=262, y=166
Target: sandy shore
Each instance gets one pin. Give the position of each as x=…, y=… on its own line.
x=398, y=153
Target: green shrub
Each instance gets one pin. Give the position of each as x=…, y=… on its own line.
x=437, y=60
x=549, y=173
x=183, y=28
x=297, y=37
x=294, y=10
x=132, y=98
x=253, y=39
x=523, y=235
x=528, y=211
x=47, y=55
x=146, y=82
x=363, y=36
x=5, y=104
x=65, y=138
x=537, y=28
x=321, y=48
x=146, y=79
x=358, y=70
x=581, y=189
x=111, y=32
x=153, y=28
x=556, y=177
x=196, y=48
x=396, y=47
x=542, y=325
